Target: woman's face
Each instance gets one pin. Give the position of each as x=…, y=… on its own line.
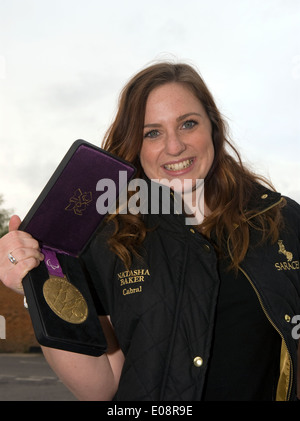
x=177, y=135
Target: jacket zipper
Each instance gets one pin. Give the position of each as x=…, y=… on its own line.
x=262, y=304
x=275, y=327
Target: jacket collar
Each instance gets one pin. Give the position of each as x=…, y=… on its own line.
x=263, y=199
x=170, y=203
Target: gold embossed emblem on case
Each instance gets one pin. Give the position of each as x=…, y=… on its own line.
x=65, y=300
x=79, y=202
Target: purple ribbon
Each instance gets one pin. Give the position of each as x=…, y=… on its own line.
x=52, y=263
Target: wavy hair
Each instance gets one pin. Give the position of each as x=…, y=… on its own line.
x=229, y=185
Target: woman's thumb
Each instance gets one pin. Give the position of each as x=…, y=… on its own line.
x=14, y=223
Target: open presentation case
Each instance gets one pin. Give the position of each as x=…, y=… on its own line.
x=64, y=219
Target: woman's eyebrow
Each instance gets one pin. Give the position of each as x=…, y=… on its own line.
x=152, y=125
x=178, y=119
x=184, y=116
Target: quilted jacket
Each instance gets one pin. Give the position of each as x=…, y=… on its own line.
x=163, y=308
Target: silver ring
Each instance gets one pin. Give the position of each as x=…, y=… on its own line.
x=12, y=259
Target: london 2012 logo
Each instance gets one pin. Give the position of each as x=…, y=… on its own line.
x=79, y=201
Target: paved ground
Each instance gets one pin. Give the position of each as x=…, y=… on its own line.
x=28, y=377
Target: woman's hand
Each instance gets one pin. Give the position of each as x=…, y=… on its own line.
x=19, y=253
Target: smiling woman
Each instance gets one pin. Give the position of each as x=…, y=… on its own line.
x=168, y=126
x=190, y=313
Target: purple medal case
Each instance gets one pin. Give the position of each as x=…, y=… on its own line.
x=64, y=219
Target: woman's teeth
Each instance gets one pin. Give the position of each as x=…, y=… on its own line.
x=179, y=165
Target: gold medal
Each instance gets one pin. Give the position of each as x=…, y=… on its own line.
x=65, y=300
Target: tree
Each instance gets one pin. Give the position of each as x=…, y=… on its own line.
x=4, y=218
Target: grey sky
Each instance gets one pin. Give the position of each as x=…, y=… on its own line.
x=64, y=62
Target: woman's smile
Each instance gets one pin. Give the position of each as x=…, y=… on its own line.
x=184, y=165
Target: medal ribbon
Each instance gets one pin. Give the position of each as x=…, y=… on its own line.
x=52, y=263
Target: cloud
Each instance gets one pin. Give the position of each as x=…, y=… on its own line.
x=63, y=64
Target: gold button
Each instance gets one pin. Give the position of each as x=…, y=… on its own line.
x=264, y=196
x=206, y=248
x=287, y=318
x=192, y=231
x=198, y=361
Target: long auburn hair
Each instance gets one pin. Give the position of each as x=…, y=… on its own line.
x=228, y=185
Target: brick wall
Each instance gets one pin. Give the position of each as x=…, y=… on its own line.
x=19, y=332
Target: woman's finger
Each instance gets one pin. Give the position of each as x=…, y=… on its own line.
x=14, y=223
x=22, y=253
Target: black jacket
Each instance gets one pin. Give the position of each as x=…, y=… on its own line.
x=163, y=308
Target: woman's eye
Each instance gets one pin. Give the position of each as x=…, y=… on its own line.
x=152, y=134
x=189, y=124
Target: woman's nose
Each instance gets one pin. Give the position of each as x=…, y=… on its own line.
x=173, y=144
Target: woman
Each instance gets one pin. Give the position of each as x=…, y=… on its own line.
x=190, y=313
